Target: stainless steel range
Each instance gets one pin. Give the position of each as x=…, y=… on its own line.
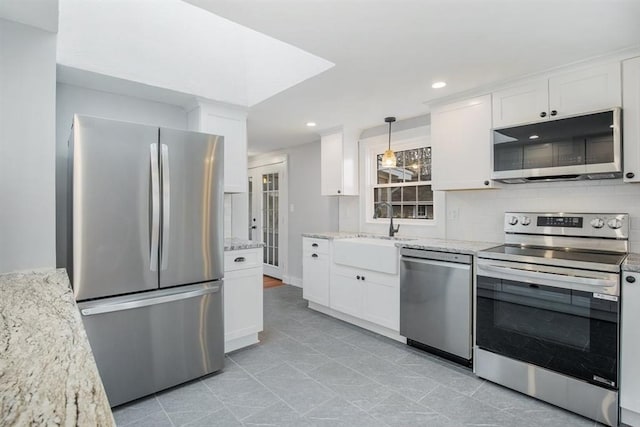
x=548, y=309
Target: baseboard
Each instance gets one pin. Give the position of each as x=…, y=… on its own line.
x=293, y=281
x=365, y=324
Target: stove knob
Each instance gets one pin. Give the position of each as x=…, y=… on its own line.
x=614, y=223
x=525, y=220
x=513, y=220
x=597, y=223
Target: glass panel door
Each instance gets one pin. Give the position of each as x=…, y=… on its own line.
x=270, y=196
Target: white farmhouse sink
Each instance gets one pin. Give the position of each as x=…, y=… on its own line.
x=367, y=253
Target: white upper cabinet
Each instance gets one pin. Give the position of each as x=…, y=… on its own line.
x=339, y=164
x=631, y=119
x=461, y=145
x=232, y=124
x=582, y=91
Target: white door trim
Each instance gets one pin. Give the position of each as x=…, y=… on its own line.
x=283, y=211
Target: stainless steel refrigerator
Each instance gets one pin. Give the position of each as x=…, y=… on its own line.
x=146, y=253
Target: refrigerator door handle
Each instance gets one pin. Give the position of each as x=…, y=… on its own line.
x=166, y=207
x=155, y=207
x=144, y=302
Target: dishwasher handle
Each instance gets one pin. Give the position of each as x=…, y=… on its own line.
x=436, y=263
x=436, y=255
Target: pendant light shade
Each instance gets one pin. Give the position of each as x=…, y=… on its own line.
x=389, y=158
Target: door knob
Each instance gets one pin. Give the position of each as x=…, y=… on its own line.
x=543, y=114
x=554, y=113
x=630, y=279
x=630, y=175
x=253, y=227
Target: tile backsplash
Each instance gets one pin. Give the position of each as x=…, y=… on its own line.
x=478, y=215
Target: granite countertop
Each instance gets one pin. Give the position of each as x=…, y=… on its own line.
x=632, y=263
x=330, y=235
x=48, y=375
x=454, y=246
x=234, y=244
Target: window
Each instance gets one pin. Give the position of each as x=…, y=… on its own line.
x=405, y=191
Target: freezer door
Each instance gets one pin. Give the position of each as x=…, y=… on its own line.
x=114, y=226
x=192, y=245
x=147, y=342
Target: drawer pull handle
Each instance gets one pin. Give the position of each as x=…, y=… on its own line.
x=314, y=255
x=315, y=245
x=240, y=259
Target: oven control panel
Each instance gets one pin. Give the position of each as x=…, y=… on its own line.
x=614, y=226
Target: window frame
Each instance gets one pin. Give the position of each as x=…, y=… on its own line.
x=371, y=152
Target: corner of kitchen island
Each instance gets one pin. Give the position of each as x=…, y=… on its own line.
x=48, y=375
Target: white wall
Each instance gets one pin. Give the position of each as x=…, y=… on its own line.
x=72, y=100
x=27, y=147
x=480, y=214
x=311, y=211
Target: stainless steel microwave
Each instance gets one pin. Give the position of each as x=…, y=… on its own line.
x=586, y=146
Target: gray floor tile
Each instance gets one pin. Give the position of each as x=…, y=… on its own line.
x=333, y=348
x=465, y=409
x=221, y=418
x=255, y=359
x=340, y=413
x=382, y=347
x=240, y=393
x=180, y=419
x=295, y=388
x=334, y=373
x=364, y=396
x=127, y=414
x=279, y=414
x=192, y=397
x=397, y=410
x=157, y=419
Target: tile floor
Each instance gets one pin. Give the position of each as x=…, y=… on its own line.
x=313, y=370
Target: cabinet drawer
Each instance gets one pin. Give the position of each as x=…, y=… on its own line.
x=320, y=246
x=238, y=260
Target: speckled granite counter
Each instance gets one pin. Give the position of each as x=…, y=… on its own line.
x=632, y=263
x=47, y=372
x=330, y=235
x=234, y=244
x=454, y=246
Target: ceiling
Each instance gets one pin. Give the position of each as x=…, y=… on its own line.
x=387, y=53
x=176, y=46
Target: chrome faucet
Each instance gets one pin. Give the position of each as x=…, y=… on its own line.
x=392, y=230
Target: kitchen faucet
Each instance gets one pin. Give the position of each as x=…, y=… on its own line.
x=392, y=230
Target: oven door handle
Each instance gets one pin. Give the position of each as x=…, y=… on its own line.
x=607, y=286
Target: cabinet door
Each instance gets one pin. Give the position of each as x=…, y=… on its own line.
x=315, y=277
x=521, y=104
x=631, y=120
x=630, y=346
x=346, y=295
x=461, y=145
x=593, y=89
x=242, y=303
x=382, y=304
x=331, y=165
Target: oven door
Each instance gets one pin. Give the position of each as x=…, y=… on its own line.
x=561, y=319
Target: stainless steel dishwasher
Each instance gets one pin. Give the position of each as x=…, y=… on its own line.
x=435, y=302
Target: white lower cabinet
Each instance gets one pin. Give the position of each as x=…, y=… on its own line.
x=242, y=298
x=346, y=294
x=369, y=299
x=630, y=350
x=382, y=304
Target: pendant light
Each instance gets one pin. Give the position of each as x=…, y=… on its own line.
x=389, y=158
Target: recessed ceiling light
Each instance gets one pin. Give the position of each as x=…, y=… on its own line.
x=438, y=85
x=534, y=137
x=311, y=124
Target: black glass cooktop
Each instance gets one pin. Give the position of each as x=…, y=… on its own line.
x=553, y=255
